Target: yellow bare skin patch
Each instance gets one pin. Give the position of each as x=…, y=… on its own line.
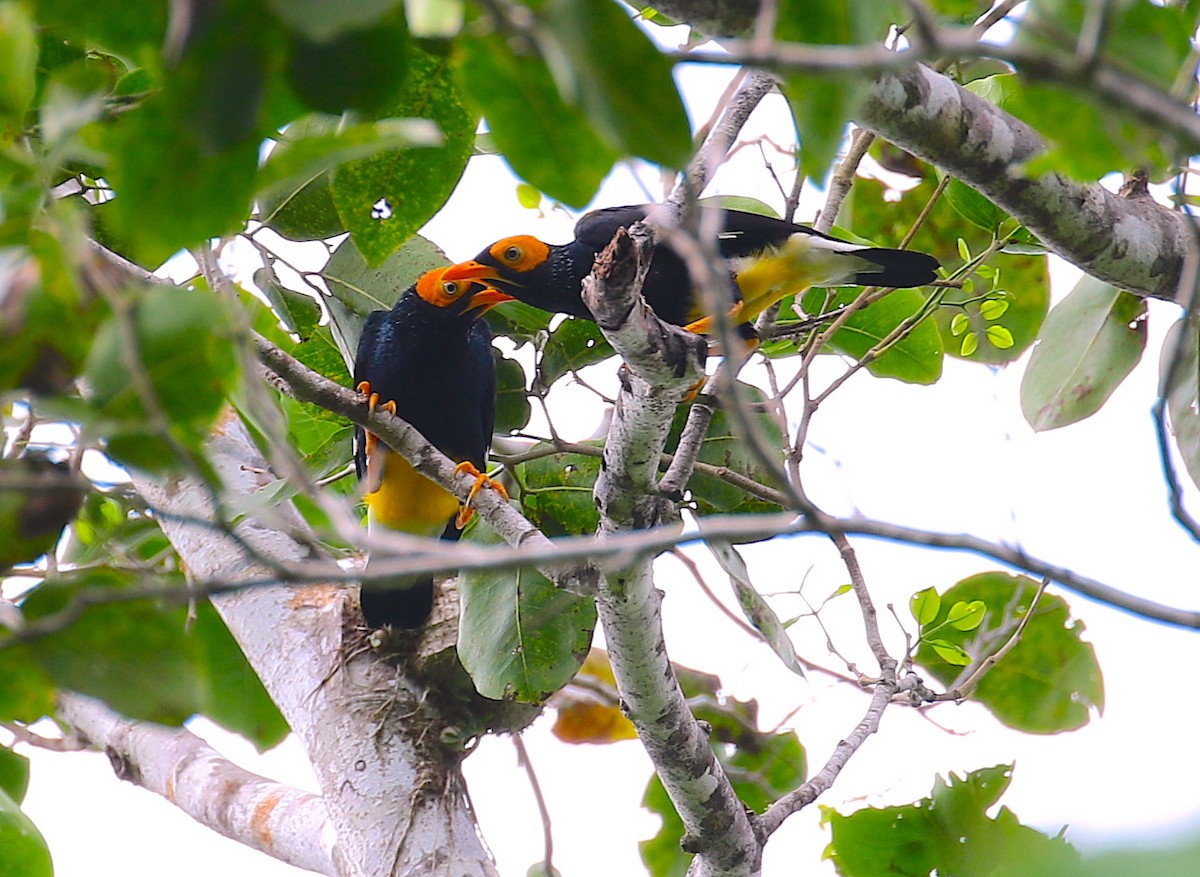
x=408, y=501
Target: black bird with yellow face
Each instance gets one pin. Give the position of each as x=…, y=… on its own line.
x=429, y=361
x=768, y=259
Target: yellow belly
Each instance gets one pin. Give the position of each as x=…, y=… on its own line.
x=408, y=501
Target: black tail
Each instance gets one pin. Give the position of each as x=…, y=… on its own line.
x=401, y=608
x=900, y=268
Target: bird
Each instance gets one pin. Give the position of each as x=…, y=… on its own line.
x=428, y=360
x=768, y=259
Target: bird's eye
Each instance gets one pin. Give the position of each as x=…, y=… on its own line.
x=512, y=254
x=450, y=288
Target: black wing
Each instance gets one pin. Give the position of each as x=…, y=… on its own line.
x=366, y=364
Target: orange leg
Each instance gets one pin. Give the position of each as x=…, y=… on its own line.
x=389, y=406
x=704, y=325
x=465, y=512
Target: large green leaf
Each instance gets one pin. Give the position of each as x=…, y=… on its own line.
x=23, y=851
x=234, y=696
x=186, y=359
x=321, y=21
x=1090, y=342
x=623, y=83
x=384, y=199
x=371, y=65
x=1183, y=394
x=546, y=140
x=14, y=774
x=519, y=636
x=295, y=198
x=1024, y=279
x=949, y=832
x=158, y=677
x=574, y=344
x=1049, y=682
x=18, y=65
x=915, y=357
x=187, y=154
x=512, y=396
x=556, y=493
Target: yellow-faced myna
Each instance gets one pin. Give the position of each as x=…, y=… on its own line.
x=429, y=361
x=767, y=257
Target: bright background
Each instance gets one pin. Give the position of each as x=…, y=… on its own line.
x=956, y=457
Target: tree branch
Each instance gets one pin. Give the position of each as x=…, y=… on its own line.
x=661, y=364
x=371, y=731
x=275, y=819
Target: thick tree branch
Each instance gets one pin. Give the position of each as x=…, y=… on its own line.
x=371, y=732
x=661, y=363
x=281, y=821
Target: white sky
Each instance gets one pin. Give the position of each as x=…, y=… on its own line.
x=958, y=457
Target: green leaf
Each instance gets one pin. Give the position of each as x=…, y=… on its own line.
x=298, y=312
x=639, y=114
x=157, y=679
x=1027, y=281
x=915, y=358
x=185, y=354
x=520, y=637
x=386, y=198
x=1087, y=139
x=1049, y=682
x=823, y=105
x=25, y=852
x=574, y=344
x=28, y=692
x=320, y=21
x=949, y=652
x=546, y=140
x=371, y=65
x=966, y=616
x=949, y=832
x=754, y=607
x=311, y=147
x=18, y=66
x=522, y=323
x=556, y=493
x=662, y=854
x=1092, y=339
x=234, y=695
x=512, y=397
x=14, y=774
x=723, y=446
x=49, y=322
x=187, y=154
x=992, y=309
x=1183, y=392
x=924, y=606
x=973, y=206
x=1001, y=338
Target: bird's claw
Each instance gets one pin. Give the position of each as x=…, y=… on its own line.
x=465, y=512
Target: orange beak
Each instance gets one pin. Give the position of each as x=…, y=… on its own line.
x=473, y=272
x=486, y=299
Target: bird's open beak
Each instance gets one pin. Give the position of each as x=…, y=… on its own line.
x=473, y=272
x=486, y=299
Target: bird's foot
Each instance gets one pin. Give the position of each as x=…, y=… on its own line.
x=373, y=403
x=465, y=512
